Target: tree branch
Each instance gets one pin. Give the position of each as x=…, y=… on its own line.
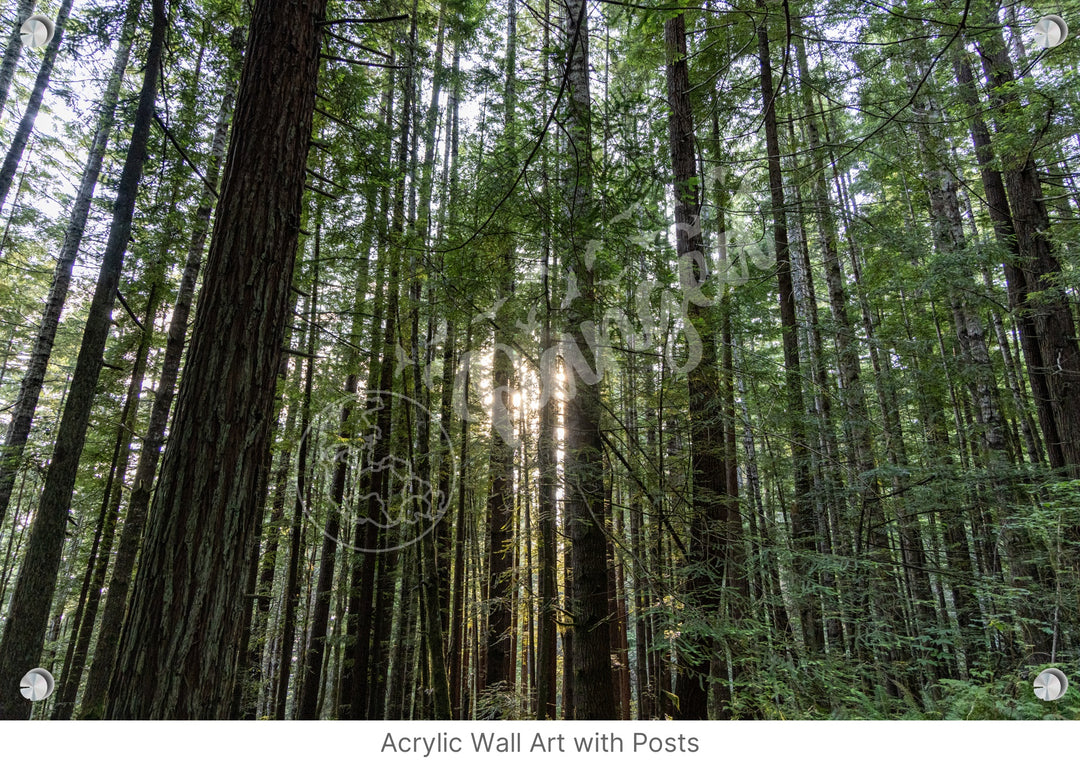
x=374, y=20
x=134, y=318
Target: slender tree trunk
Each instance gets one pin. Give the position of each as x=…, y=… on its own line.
x=710, y=497
x=81, y=634
x=547, y=550
x=458, y=634
x=433, y=632
x=13, y=547
x=444, y=547
x=383, y=615
x=268, y=563
x=432, y=625
x=291, y=594
x=501, y=539
x=593, y=685
x=390, y=704
x=30, y=388
x=63, y=703
x=25, y=630
x=736, y=572
x=804, y=538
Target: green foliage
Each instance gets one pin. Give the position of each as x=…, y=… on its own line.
x=1002, y=698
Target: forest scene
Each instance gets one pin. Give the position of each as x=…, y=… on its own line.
x=539, y=359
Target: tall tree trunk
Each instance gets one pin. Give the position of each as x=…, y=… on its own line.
x=710, y=497
x=594, y=697
x=501, y=539
x=448, y=204
x=804, y=533
x=547, y=443
x=112, y=617
x=459, y=662
x=1039, y=265
x=736, y=573
x=25, y=630
x=291, y=592
x=209, y=492
x=81, y=633
x=390, y=703
x=30, y=388
x=432, y=625
x=433, y=631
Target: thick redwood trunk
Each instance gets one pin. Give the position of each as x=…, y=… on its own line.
x=176, y=653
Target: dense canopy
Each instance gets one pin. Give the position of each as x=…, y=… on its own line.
x=527, y=359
